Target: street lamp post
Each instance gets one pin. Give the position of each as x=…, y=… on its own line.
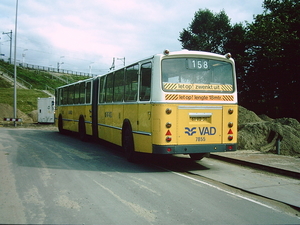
x=59, y=63
x=15, y=67
x=23, y=57
x=90, y=67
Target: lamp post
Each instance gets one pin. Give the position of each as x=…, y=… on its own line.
x=15, y=67
x=60, y=63
x=122, y=59
x=90, y=67
x=23, y=56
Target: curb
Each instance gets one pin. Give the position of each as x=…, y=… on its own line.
x=275, y=170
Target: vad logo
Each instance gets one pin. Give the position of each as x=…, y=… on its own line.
x=202, y=130
x=207, y=130
x=189, y=131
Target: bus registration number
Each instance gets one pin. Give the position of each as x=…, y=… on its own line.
x=198, y=139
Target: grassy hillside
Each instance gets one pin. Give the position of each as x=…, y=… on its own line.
x=27, y=99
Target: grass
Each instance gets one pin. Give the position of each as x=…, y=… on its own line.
x=27, y=98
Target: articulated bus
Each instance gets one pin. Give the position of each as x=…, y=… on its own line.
x=181, y=102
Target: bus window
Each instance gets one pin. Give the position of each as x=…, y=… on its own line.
x=82, y=93
x=59, y=96
x=131, y=83
x=118, y=86
x=101, y=89
x=145, y=86
x=77, y=94
x=88, y=92
x=197, y=75
x=109, y=88
x=71, y=94
x=64, y=91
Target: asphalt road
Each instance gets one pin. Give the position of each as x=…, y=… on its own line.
x=46, y=177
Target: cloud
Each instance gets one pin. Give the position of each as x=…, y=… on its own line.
x=96, y=31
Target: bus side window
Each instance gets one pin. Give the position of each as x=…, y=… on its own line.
x=60, y=96
x=64, y=100
x=145, y=85
x=82, y=93
x=109, y=88
x=77, y=94
x=71, y=95
x=101, y=89
x=118, y=86
x=88, y=93
x=131, y=83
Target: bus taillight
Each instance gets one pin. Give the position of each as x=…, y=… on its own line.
x=230, y=138
x=168, y=139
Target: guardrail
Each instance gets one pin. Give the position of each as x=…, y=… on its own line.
x=52, y=69
x=11, y=76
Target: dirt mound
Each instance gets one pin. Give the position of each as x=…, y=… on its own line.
x=264, y=134
x=6, y=111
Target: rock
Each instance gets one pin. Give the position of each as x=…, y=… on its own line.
x=263, y=135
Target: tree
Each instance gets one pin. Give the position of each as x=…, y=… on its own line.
x=207, y=32
x=214, y=33
x=272, y=80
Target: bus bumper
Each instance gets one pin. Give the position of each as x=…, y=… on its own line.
x=189, y=149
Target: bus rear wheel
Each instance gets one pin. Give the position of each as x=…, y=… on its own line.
x=197, y=156
x=128, y=144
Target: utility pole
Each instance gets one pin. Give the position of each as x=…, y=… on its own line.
x=9, y=34
x=15, y=68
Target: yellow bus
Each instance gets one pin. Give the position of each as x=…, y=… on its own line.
x=181, y=102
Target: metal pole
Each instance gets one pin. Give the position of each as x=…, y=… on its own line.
x=9, y=34
x=15, y=68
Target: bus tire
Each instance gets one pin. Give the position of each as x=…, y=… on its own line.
x=128, y=143
x=82, y=129
x=61, y=125
x=197, y=156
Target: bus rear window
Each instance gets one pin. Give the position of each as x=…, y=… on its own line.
x=197, y=75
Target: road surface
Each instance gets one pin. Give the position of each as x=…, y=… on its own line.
x=46, y=177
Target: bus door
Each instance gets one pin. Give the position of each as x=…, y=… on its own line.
x=199, y=124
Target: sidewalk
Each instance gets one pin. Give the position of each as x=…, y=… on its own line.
x=282, y=183
x=280, y=164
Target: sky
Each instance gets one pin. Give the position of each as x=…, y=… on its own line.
x=85, y=35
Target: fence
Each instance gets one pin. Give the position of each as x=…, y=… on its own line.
x=52, y=69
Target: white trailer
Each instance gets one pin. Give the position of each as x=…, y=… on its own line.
x=46, y=110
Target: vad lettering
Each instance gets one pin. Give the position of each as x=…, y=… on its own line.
x=207, y=130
